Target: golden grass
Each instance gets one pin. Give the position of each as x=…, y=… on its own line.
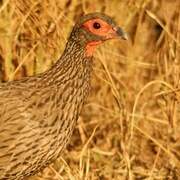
x=130, y=126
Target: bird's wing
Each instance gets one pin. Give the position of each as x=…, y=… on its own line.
x=11, y=124
x=21, y=132
x=17, y=127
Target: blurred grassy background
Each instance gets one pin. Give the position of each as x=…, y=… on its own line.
x=130, y=126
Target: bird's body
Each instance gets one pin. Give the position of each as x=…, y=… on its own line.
x=29, y=118
x=38, y=113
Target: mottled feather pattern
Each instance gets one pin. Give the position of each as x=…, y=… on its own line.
x=32, y=133
x=38, y=114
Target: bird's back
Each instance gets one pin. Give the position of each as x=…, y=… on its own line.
x=37, y=120
x=18, y=129
x=33, y=130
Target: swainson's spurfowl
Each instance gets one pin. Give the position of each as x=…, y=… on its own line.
x=38, y=113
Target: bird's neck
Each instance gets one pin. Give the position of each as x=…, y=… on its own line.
x=73, y=64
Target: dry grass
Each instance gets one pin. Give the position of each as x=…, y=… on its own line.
x=130, y=126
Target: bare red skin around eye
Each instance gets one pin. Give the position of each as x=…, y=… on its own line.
x=105, y=31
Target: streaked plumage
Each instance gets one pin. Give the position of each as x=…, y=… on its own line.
x=38, y=113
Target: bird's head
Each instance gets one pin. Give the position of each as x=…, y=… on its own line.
x=95, y=28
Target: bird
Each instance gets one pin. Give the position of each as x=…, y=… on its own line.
x=39, y=113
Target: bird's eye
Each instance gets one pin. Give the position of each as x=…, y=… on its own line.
x=96, y=25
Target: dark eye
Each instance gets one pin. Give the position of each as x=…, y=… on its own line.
x=96, y=25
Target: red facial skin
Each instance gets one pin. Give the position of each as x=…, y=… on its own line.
x=105, y=31
x=91, y=46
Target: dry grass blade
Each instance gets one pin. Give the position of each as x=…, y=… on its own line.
x=163, y=26
x=134, y=104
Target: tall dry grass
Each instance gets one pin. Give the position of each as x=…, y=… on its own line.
x=130, y=126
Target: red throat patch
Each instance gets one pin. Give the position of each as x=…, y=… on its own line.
x=90, y=47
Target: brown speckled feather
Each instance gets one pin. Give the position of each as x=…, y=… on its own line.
x=38, y=114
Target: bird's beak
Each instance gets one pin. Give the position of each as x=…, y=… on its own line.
x=120, y=33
